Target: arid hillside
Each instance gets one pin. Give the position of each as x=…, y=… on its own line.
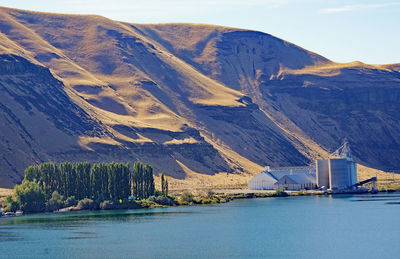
x=199, y=102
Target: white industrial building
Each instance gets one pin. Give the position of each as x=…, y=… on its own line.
x=262, y=181
x=288, y=178
x=336, y=173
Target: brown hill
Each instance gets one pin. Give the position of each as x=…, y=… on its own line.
x=193, y=100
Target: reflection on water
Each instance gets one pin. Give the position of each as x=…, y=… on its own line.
x=374, y=199
x=82, y=235
x=6, y=236
x=393, y=202
x=377, y=198
x=76, y=218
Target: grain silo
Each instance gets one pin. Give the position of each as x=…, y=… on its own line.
x=338, y=172
x=322, y=172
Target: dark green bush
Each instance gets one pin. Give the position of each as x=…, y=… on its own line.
x=87, y=204
x=162, y=200
x=71, y=201
x=56, y=202
x=157, y=193
x=280, y=193
x=124, y=205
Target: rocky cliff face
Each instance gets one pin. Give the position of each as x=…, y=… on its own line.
x=37, y=117
x=358, y=103
x=189, y=99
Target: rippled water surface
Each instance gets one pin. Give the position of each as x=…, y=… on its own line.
x=344, y=226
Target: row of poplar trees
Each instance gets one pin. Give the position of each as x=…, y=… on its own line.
x=102, y=181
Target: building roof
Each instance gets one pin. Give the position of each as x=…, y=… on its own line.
x=279, y=174
x=297, y=175
x=296, y=179
x=263, y=176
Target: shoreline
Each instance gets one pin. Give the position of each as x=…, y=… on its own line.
x=221, y=196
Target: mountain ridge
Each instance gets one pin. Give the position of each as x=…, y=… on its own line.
x=193, y=100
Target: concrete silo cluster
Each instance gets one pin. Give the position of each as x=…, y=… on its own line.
x=336, y=173
x=339, y=172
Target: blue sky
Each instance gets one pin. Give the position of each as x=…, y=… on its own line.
x=341, y=30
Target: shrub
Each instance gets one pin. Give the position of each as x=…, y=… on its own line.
x=216, y=200
x=56, y=202
x=87, y=204
x=162, y=200
x=210, y=194
x=241, y=195
x=71, y=201
x=129, y=205
x=187, y=197
x=206, y=201
x=157, y=193
x=148, y=204
x=184, y=203
x=280, y=193
x=110, y=205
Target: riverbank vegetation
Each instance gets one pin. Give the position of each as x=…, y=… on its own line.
x=49, y=187
x=69, y=186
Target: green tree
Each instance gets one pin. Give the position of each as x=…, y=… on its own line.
x=96, y=181
x=142, y=180
x=148, y=181
x=30, y=197
x=112, y=180
x=164, y=185
x=104, y=181
x=32, y=173
x=67, y=178
x=82, y=179
x=136, y=180
x=11, y=204
x=48, y=180
x=56, y=202
x=125, y=183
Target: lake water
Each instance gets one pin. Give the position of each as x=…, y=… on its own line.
x=344, y=226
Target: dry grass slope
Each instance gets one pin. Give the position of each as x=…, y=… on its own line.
x=196, y=101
